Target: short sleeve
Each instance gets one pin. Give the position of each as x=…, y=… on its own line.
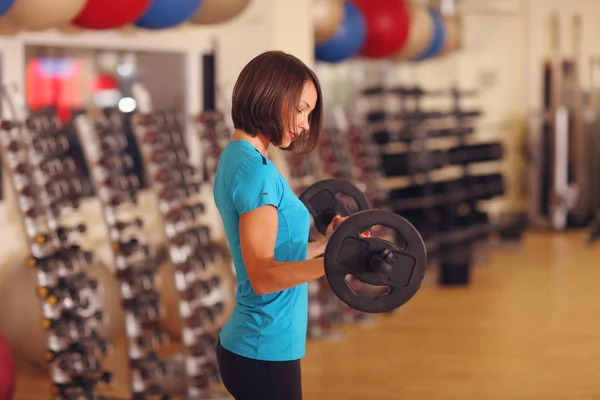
x=255, y=185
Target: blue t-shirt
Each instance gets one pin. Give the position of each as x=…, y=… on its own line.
x=270, y=327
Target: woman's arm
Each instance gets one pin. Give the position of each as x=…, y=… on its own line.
x=258, y=235
x=316, y=248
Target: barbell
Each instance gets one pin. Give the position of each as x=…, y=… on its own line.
x=399, y=266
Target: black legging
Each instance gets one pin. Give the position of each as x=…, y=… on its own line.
x=248, y=379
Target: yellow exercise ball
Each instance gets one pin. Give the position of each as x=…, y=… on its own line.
x=21, y=310
x=69, y=29
x=218, y=11
x=420, y=33
x=7, y=27
x=170, y=320
x=327, y=16
x=37, y=15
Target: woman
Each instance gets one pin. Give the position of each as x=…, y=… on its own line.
x=276, y=101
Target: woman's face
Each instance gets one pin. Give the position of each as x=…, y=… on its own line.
x=303, y=109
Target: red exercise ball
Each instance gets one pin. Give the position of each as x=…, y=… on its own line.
x=110, y=14
x=8, y=374
x=387, y=26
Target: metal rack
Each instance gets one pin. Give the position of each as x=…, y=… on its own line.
x=104, y=146
x=36, y=154
x=195, y=257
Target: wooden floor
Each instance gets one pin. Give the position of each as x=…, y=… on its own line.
x=528, y=327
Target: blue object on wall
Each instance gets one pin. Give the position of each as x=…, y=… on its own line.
x=348, y=39
x=164, y=14
x=439, y=37
x=5, y=5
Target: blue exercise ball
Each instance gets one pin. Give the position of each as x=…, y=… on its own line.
x=439, y=37
x=163, y=14
x=5, y=5
x=348, y=40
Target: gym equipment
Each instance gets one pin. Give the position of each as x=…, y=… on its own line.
x=343, y=153
x=214, y=135
x=474, y=187
x=5, y=5
x=29, y=144
x=420, y=34
x=8, y=370
x=322, y=201
x=387, y=23
x=409, y=133
x=194, y=257
x=410, y=163
x=20, y=313
x=593, y=131
x=164, y=14
x=104, y=146
x=444, y=212
x=328, y=16
x=347, y=41
x=42, y=14
x=559, y=178
x=370, y=260
x=171, y=321
x=219, y=11
x=439, y=37
x=110, y=14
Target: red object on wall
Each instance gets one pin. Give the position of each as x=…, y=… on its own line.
x=388, y=23
x=110, y=14
x=54, y=82
x=104, y=82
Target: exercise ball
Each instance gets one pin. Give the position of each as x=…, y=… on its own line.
x=347, y=40
x=110, y=14
x=5, y=5
x=420, y=33
x=21, y=311
x=69, y=29
x=328, y=16
x=7, y=27
x=164, y=14
x=438, y=41
x=8, y=374
x=170, y=320
x=387, y=24
x=452, y=30
x=218, y=11
x=37, y=15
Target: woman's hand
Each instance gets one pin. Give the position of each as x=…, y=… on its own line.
x=335, y=222
x=317, y=248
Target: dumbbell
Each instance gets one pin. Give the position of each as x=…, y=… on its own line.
x=400, y=266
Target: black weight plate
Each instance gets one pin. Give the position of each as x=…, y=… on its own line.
x=322, y=202
x=348, y=252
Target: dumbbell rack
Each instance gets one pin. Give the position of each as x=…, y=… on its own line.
x=443, y=211
x=336, y=159
x=35, y=151
x=105, y=149
x=201, y=301
x=214, y=134
x=364, y=156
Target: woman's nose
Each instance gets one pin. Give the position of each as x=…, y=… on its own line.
x=304, y=124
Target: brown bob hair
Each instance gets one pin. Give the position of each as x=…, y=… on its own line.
x=267, y=91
